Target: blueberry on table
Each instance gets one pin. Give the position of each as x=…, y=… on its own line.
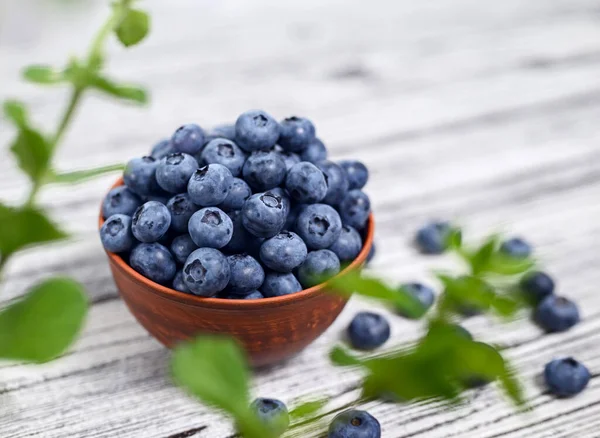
x=150, y=222
x=225, y=152
x=239, y=192
x=348, y=244
x=179, y=284
x=319, y=225
x=314, y=152
x=289, y=158
x=354, y=424
x=162, y=149
x=210, y=227
x=432, y=238
x=318, y=266
x=283, y=252
x=357, y=173
x=116, y=235
x=264, y=214
x=153, y=261
x=355, y=209
x=264, y=170
x=337, y=182
x=188, y=139
x=566, y=377
x=422, y=293
x=277, y=284
x=209, y=185
x=181, y=208
x=368, y=331
x=256, y=130
x=140, y=176
x=206, y=272
x=120, y=200
x=174, y=171
x=273, y=413
x=246, y=274
x=516, y=248
x=241, y=239
x=536, y=286
x=181, y=247
x=306, y=183
x=296, y=133
x=253, y=295
x=556, y=314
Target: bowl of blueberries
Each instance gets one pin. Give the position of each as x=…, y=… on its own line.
x=227, y=231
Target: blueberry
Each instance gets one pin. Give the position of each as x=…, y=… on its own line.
x=241, y=239
x=357, y=173
x=348, y=244
x=368, y=330
x=536, y=286
x=556, y=314
x=254, y=295
x=239, y=192
x=296, y=134
x=355, y=209
x=153, y=261
x=223, y=131
x=115, y=233
x=285, y=198
x=273, y=413
x=314, y=152
x=181, y=247
x=179, y=284
x=264, y=170
x=256, y=130
x=174, y=171
x=246, y=274
x=162, y=149
x=225, y=152
x=289, y=158
x=277, y=284
x=318, y=266
x=319, y=225
x=431, y=239
x=337, y=182
x=422, y=293
x=206, y=272
x=150, y=222
x=181, y=208
x=306, y=183
x=283, y=252
x=140, y=176
x=188, y=139
x=372, y=253
x=566, y=377
x=209, y=185
x=120, y=200
x=290, y=222
x=264, y=214
x=162, y=197
x=210, y=227
x=516, y=248
x=354, y=424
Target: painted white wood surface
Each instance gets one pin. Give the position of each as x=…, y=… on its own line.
x=484, y=112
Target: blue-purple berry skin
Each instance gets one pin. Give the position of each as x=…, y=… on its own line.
x=319, y=225
x=368, y=331
x=289, y=158
x=181, y=208
x=516, y=247
x=210, y=227
x=566, y=377
x=337, y=182
x=355, y=209
x=296, y=134
x=120, y=200
x=314, y=152
x=357, y=173
x=264, y=214
x=264, y=170
x=238, y=194
x=188, y=139
x=246, y=274
x=432, y=237
x=283, y=252
x=306, y=183
x=181, y=247
x=225, y=152
x=116, y=235
x=556, y=314
x=354, y=424
x=150, y=222
x=206, y=272
x=254, y=295
x=209, y=185
x=277, y=284
x=174, y=171
x=162, y=149
x=319, y=266
x=348, y=245
x=256, y=130
x=535, y=286
x=140, y=176
x=241, y=239
x=272, y=413
x=424, y=294
x=221, y=131
x=179, y=284
x=153, y=261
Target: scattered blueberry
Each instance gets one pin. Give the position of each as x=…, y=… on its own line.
x=153, y=261
x=209, y=185
x=348, y=244
x=424, y=294
x=319, y=265
x=264, y=214
x=115, y=233
x=337, y=182
x=188, y=139
x=206, y=272
x=256, y=130
x=431, y=239
x=283, y=252
x=314, y=152
x=210, y=227
x=162, y=149
x=181, y=247
x=277, y=284
x=355, y=209
x=296, y=134
x=566, y=377
x=289, y=158
x=246, y=274
x=254, y=295
x=319, y=225
x=174, y=171
x=556, y=314
x=516, y=247
x=181, y=208
x=150, y=222
x=225, y=152
x=354, y=424
x=536, y=286
x=140, y=176
x=239, y=192
x=357, y=173
x=179, y=284
x=368, y=331
x=120, y=200
x=273, y=413
x=264, y=170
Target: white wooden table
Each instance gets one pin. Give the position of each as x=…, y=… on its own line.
x=480, y=111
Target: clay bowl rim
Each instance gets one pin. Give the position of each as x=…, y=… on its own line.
x=223, y=303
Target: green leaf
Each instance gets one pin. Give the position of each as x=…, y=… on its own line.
x=466, y=293
x=127, y=92
x=503, y=264
x=133, y=28
x=42, y=325
x=454, y=239
x=79, y=176
x=32, y=153
x=21, y=227
x=42, y=74
x=480, y=259
x=339, y=356
x=511, y=385
x=15, y=111
x=308, y=408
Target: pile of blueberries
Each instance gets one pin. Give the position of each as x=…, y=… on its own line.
x=244, y=211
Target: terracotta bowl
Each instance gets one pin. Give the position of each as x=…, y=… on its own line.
x=270, y=329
